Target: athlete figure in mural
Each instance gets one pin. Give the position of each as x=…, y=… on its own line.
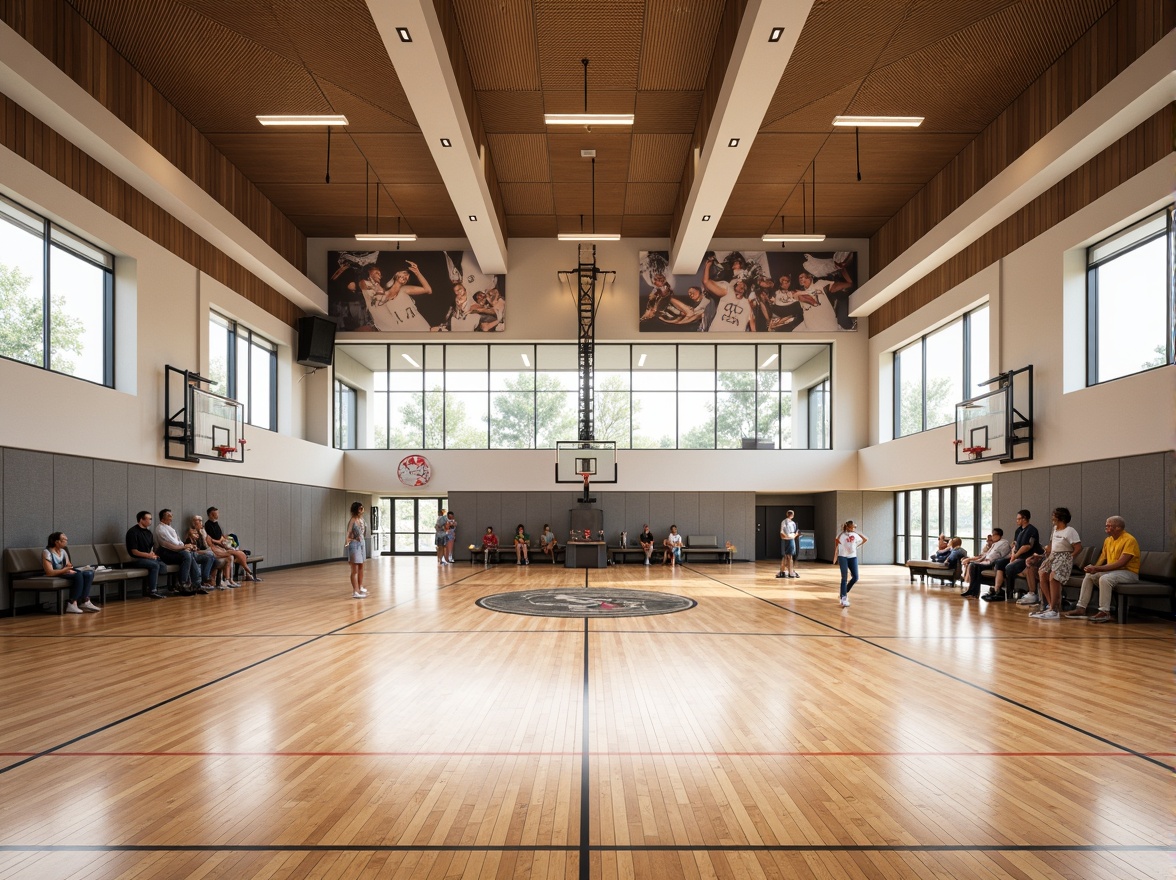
x=820, y=300
x=658, y=298
x=734, y=312
x=462, y=315
x=351, y=308
x=395, y=308
x=780, y=311
x=832, y=277
x=696, y=311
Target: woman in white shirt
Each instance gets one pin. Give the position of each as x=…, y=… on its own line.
x=846, y=555
x=673, y=545
x=1056, y=565
x=56, y=562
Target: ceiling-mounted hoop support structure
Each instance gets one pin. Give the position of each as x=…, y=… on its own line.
x=587, y=282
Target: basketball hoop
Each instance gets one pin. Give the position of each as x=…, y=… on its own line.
x=225, y=451
x=587, y=475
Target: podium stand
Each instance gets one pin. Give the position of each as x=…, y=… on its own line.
x=586, y=554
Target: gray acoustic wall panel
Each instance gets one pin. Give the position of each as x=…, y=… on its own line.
x=613, y=505
x=73, y=498
x=258, y=525
x=3, y=542
x=878, y=511
x=1065, y=490
x=712, y=518
x=28, y=497
x=538, y=512
x=1170, y=501
x=1006, y=500
x=827, y=523
x=140, y=491
x=1100, y=498
x=1035, y=497
x=1141, y=498
x=661, y=513
x=110, y=502
x=636, y=512
x=688, y=515
x=169, y=493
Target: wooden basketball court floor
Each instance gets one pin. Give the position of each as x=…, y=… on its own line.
x=287, y=730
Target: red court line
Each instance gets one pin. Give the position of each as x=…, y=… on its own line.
x=577, y=753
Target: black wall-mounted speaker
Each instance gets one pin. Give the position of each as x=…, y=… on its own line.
x=316, y=341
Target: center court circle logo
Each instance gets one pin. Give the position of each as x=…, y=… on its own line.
x=580, y=602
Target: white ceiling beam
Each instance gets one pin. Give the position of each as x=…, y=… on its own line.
x=37, y=84
x=1133, y=96
x=426, y=74
x=752, y=75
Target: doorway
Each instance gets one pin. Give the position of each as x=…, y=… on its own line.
x=767, y=526
x=405, y=526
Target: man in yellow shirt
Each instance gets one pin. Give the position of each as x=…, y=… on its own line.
x=1118, y=563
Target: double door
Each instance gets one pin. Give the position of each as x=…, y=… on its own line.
x=406, y=526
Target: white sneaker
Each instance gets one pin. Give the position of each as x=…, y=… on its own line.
x=1029, y=599
x=451, y=560
x=72, y=608
x=1048, y=615
x=358, y=596
x=363, y=590
x=89, y=606
x=844, y=600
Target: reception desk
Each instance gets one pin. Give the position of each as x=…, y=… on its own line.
x=586, y=554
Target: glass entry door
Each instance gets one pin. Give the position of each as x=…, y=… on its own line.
x=408, y=526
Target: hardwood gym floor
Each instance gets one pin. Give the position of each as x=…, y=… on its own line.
x=286, y=730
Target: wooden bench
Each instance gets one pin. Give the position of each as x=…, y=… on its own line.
x=26, y=573
x=929, y=568
x=705, y=545
x=617, y=554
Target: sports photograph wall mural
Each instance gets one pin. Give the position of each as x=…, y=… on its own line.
x=749, y=292
x=413, y=291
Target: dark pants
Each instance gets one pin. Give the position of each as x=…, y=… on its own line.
x=154, y=567
x=82, y=581
x=185, y=560
x=849, y=566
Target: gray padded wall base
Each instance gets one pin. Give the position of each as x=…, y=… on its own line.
x=95, y=502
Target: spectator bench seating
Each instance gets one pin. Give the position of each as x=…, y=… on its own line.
x=618, y=554
x=1157, y=577
x=928, y=568
x=26, y=573
x=494, y=556
x=705, y=545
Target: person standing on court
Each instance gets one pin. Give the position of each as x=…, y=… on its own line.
x=450, y=535
x=356, y=547
x=441, y=527
x=788, y=534
x=849, y=541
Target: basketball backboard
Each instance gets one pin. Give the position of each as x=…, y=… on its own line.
x=997, y=425
x=597, y=458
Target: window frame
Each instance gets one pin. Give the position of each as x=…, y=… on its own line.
x=53, y=236
x=236, y=333
x=947, y=505
x=969, y=381
x=347, y=396
x=433, y=360
x=1168, y=233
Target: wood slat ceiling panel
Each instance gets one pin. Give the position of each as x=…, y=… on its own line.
x=888, y=156
x=397, y=158
x=531, y=226
x=512, y=112
x=658, y=157
x=528, y=198
x=571, y=222
x=779, y=157
x=815, y=116
x=838, y=45
x=639, y=226
x=759, y=199
x=423, y=198
x=612, y=157
x=332, y=199
x=499, y=40
x=392, y=115
x=602, y=101
x=606, y=32
x=520, y=157
x=271, y=156
x=576, y=198
x=853, y=225
x=927, y=21
x=661, y=112
x=650, y=198
x=676, y=42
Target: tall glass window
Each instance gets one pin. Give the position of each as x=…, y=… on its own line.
x=526, y=396
x=244, y=366
x=963, y=511
x=1129, y=284
x=346, y=400
x=937, y=371
x=56, y=298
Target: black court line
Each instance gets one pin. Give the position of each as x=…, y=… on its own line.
x=600, y=848
x=585, y=776
x=1038, y=712
x=207, y=684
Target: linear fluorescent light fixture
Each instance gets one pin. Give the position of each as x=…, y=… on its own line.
x=589, y=236
x=588, y=118
x=304, y=119
x=769, y=361
x=408, y=358
x=817, y=237
x=385, y=236
x=878, y=121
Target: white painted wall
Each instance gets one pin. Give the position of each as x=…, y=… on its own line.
x=1037, y=297
x=162, y=305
